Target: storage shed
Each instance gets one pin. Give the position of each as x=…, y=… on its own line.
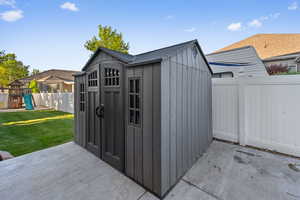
x=147, y=115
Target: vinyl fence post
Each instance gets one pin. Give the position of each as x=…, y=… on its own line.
x=242, y=138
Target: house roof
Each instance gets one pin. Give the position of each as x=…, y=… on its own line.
x=147, y=57
x=242, y=60
x=54, y=74
x=295, y=56
x=269, y=45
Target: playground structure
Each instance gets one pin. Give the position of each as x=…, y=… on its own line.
x=16, y=94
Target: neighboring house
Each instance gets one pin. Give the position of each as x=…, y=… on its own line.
x=292, y=61
x=269, y=45
x=242, y=61
x=53, y=80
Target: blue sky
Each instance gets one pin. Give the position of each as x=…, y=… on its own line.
x=51, y=34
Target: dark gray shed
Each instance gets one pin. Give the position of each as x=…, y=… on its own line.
x=147, y=115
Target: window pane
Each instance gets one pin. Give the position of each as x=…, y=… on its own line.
x=137, y=117
x=131, y=116
x=131, y=86
x=137, y=101
x=117, y=81
x=131, y=101
x=114, y=81
x=137, y=86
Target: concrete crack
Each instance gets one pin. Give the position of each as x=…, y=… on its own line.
x=203, y=190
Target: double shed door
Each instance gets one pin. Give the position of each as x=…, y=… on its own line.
x=105, y=116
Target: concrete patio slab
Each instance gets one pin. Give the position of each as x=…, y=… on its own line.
x=225, y=172
x=233, y=172
x=63, y=172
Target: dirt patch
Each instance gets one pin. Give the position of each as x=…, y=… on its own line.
x=248, y=153
x=239, y=160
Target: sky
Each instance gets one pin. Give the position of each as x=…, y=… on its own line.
x=51, y=34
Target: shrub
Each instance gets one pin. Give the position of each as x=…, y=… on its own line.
x=277, y=69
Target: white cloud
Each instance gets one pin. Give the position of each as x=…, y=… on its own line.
x=275, y=15
x=293, y=6
x=169, y=17
x=193, y=29
x=12, y=15
x=69, y=6
x=235, y=26
x=10, y=3
x=255, y=23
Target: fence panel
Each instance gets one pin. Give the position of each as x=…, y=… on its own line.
x=3, y=100
x=225, y=109
x=260, y=112
x=58, y=101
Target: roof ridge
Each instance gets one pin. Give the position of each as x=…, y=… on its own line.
x=127, y=54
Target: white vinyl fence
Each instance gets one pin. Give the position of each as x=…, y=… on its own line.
x=58, y=101
x=3, y=100
x=262, y=112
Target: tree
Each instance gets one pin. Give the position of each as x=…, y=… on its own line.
x=108, y=38
x=33, y=85
x=11, y=69
x=34, y=72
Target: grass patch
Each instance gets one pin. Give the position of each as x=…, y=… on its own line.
x=25, y=132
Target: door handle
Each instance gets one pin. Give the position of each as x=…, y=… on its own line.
x=100, y=111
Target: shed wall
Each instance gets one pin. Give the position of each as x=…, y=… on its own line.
x=143, y=143
x=79, y=116
x=185, y=114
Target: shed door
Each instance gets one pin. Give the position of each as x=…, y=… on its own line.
x=113, y=115
x=93, y=121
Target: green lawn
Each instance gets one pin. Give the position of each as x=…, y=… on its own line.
x=25, y=132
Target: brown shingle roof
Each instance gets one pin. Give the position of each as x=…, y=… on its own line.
x=62, y=74
x=269, y=45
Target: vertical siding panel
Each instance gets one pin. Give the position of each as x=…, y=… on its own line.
x=165, y=125
x=76, y=92
x=179, y=114
x=197, y=113
x=173, y=132
x=129, y=146
x=147, y=127
x=138, y=134
x=157, y=129
x=190, y=145
x=185, y=119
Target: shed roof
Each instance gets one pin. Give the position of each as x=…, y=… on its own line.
x=147, y=57
x=269, y=45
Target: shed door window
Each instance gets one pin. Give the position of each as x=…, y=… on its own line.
x=93, y=79
x=81, y=97
x=111, y=77
x=134, y=102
